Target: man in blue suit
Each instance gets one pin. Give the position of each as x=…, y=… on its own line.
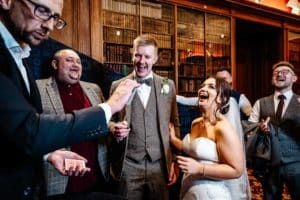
x=25, y=133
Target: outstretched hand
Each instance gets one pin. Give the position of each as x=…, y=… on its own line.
x=57, y=159
x=120, y=96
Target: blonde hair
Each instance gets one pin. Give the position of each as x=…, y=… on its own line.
x=145, y=40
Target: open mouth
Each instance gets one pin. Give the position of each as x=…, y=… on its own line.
x=203, y=96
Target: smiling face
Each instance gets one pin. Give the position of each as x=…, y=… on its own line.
x=283, y=78
x=224, y=74
x=214, y=94
x=207, y=93
x=24, y=25
x=144, y=55
x=67, y=65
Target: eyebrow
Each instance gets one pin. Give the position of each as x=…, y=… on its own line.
x=49, y=10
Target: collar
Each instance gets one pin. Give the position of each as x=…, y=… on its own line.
x=149, y=76
x=12, y=44
x=288, y=94
x=67, y=86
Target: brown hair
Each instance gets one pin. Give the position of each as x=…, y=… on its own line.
x=283, y=63
x=224, y=92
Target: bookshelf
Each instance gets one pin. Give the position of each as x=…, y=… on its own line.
x=217, y=43
x=120, y=28
x=190, y=50
x=192, y=44
x=294, y=56
x=158, y=20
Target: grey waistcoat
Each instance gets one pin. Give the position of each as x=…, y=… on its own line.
x=288, y=128
x=144, y=139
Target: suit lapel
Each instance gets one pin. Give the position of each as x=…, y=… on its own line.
x=291, y=107
x=127, y=115
x=34, y=92
x=52, y=90
x=90, y=93
x=160, y=102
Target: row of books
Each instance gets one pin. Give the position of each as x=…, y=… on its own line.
x=120, y=36
x=165, y=73
x=156, y=26
x=120, y=68
x=125, y=6
x=164, y=41
x=152, y=10
x=192, y=70
x=117, y=53
x=119, y=20
x=217, y=24
x=191, y=17
x=165, y=57
x=191, y=85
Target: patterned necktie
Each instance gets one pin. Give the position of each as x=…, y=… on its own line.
x=280, y=106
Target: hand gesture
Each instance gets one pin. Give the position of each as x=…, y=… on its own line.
x=120, y=130
x=120, y=96
x=57, y=159
x=264, y=125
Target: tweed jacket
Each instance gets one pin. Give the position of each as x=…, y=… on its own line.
x=51, y=102
x=26, y=135
x=167, y=112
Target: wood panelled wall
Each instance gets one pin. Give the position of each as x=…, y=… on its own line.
x=83, y=31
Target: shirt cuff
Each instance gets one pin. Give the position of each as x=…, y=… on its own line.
x=107, y=111
x=45, y=157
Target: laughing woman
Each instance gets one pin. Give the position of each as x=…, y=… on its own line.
x=213, y=153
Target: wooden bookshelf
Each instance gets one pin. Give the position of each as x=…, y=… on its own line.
x=294, y=56
x=158, y=20
x=201, y=41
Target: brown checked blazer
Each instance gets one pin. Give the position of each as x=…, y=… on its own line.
x=51, y=102
x=167, y=112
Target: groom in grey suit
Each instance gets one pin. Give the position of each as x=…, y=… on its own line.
x=142, y=158
x=61, y=93
x=282, y=110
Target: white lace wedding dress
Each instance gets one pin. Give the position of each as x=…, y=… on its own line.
x=194, y=187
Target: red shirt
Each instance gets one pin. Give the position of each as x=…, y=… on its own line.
x=73, y=98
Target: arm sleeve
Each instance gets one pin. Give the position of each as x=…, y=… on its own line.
x=245, y=105
x=34, y=134
x=190, y=101
x=254, y=116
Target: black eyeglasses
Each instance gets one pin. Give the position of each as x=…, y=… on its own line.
x=284, y=72
x=44, y=13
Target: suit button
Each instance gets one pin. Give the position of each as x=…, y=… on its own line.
x=27, y=191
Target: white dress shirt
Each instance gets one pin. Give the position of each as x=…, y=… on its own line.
x=16, y=52
x=144, y=91
x=255, y=115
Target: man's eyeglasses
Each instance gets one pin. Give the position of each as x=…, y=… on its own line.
x=44, y=13
x=284, y=72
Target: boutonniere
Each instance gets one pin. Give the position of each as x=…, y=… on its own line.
x=165, y=88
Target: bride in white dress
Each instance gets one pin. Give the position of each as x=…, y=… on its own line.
x=213, y=153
